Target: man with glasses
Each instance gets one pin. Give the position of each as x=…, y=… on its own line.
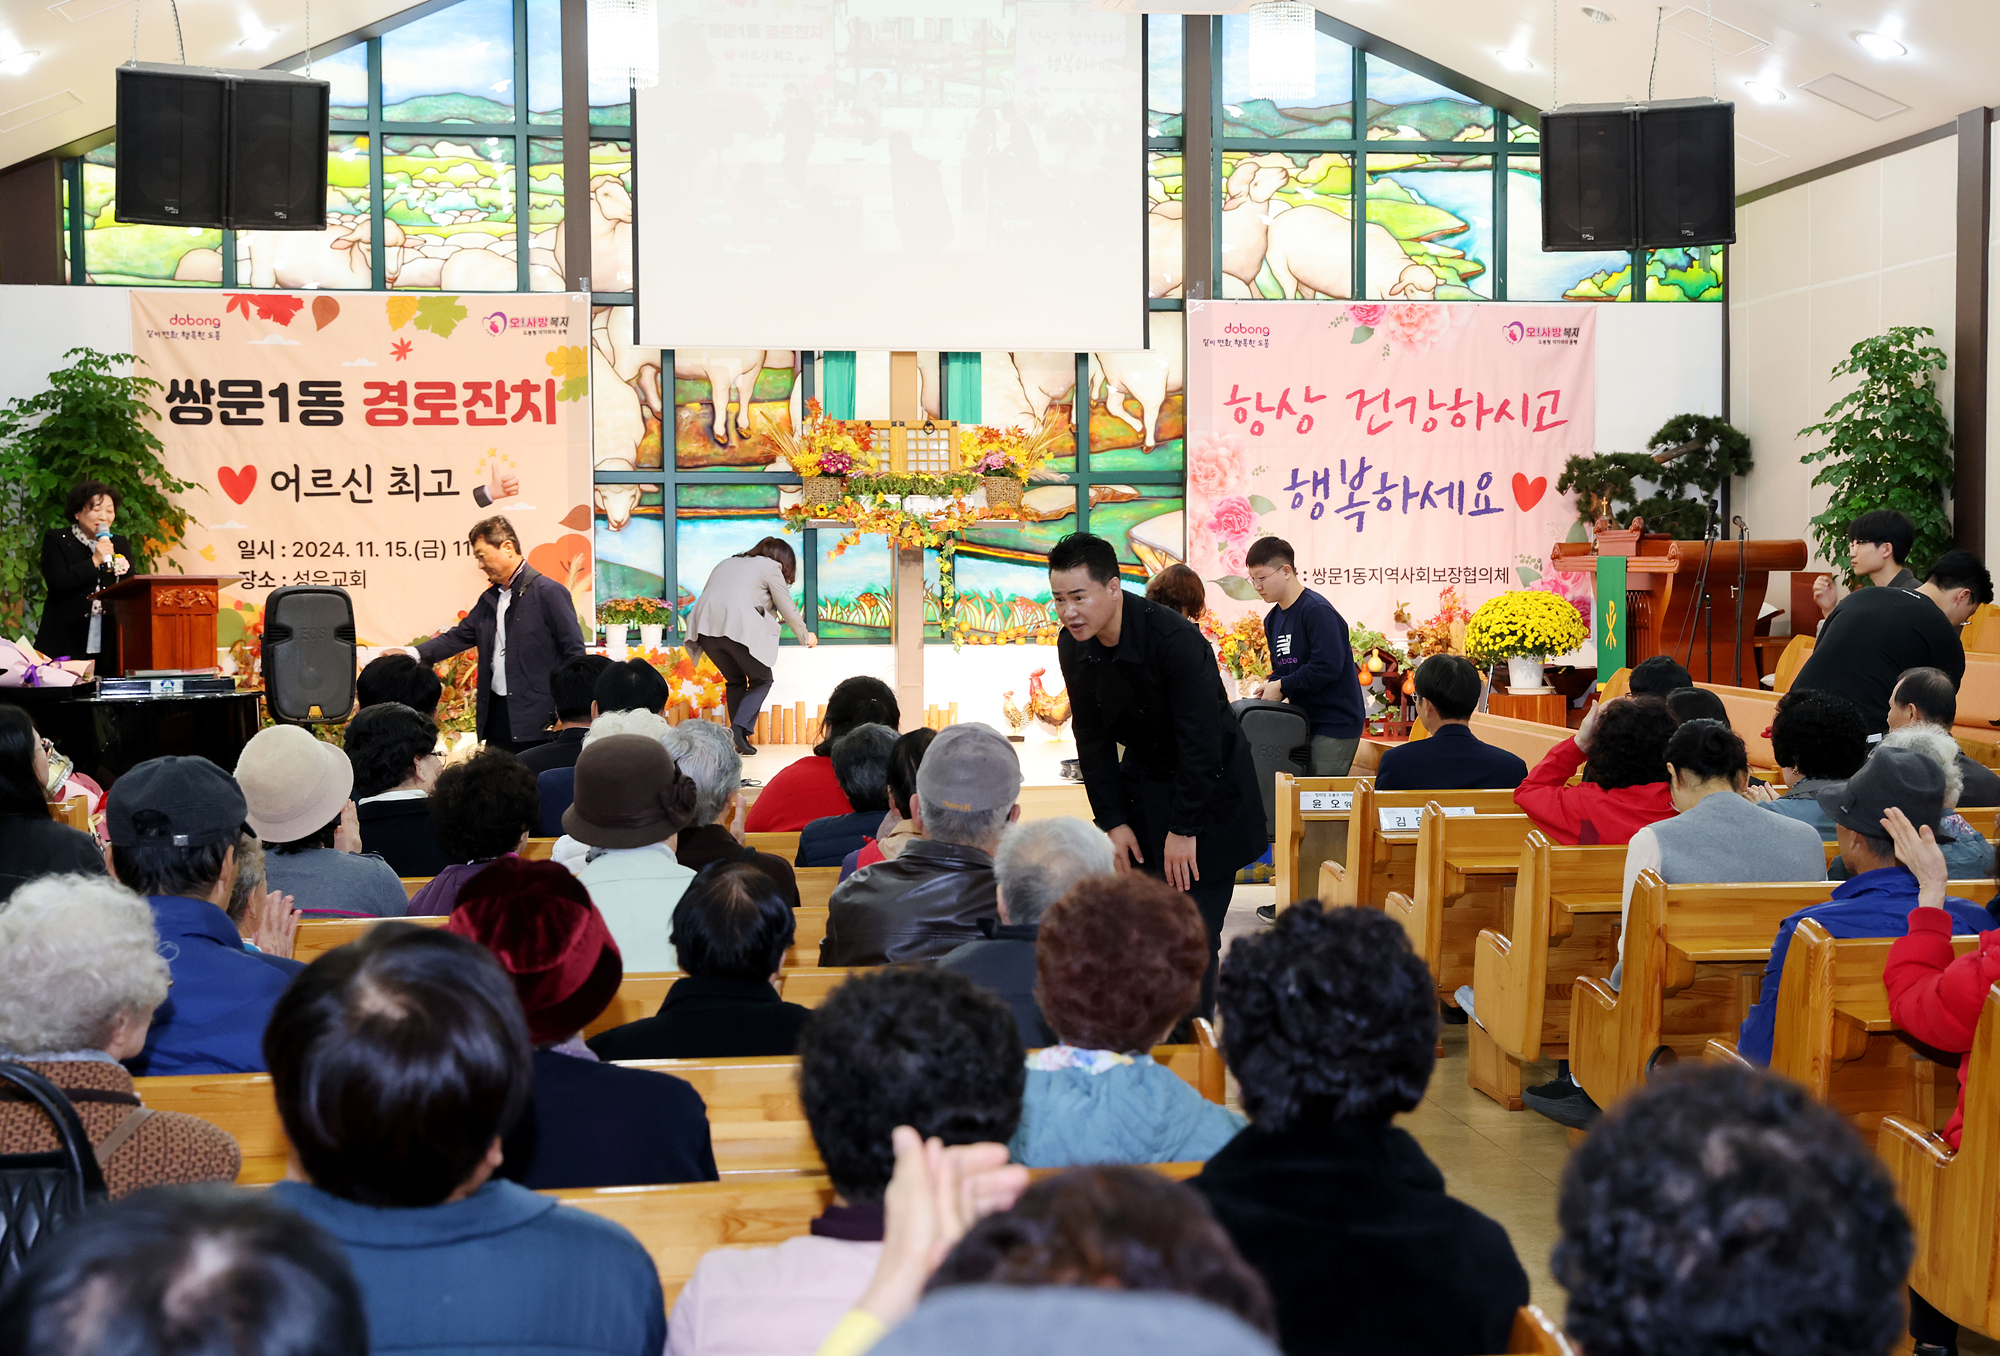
x=1312, y=663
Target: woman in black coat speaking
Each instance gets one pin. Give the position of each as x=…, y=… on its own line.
x=77, y=561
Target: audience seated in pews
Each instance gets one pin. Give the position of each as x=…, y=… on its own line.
x=1936, y=997
x=931, y=896
x=706, y=752
x=1697, y=703
x=631, y=799
x=173, y=824
x=1624, y=786
x=1967, y=854
x=1658, y=676
x=1720, y=1209
x=573, y=689
x=899, y=825
x=808, y=790
x=186, y=1271
x=557, y=786
x=296, y=790
x=588, y=1124
x=248, y=893
x=398, y=1062
x=393, y=751
x=731, y=931
x=482, y=809
x=1120, y=960
x=910, y=1047
x=32, y=841
x=634, y=685
x=1717, y=835
x=83, y=978
x=1329, y=1022
x=400, y=678
x=1452, y=757
x=1819, y=740
x=1036, y=865
x=1929, y=697
x=1877, y=897
x=861, y=767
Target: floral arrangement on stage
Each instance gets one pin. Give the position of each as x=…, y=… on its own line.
x=823, y=445
x=1524, y=624
x=698, y=687
x=1241, y=646
x=1443, y=633
x=1012, y=454
x=634, y=612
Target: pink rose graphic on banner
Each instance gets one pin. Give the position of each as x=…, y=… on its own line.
x=1415, y=325
x=1234, y=520
x=1367, y=313
x=1217, y=467
x=1234, y=560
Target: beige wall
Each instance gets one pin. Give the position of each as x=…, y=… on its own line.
x=1816, y=269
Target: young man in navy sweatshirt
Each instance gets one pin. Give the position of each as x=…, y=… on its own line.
x=1312, y=663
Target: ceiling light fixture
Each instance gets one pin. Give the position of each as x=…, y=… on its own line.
x=18, y=62
x=1281, y=49
x=257, y=39
x=1514, y=61
x=1879, y=47
x=625, y=42
x=1763, y=93
x=1599, y=16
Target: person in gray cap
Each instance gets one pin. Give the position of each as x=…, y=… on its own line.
x=1875, y=901
x=930, y=898
x=174, y=824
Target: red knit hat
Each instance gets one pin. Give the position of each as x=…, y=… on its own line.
x=537, y=920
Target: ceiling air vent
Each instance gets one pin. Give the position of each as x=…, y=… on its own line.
x=1754, y=152
x=1730, y=40
x=1856, y=98
x=14, y=119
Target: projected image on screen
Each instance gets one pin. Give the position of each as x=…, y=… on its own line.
x=903, y=174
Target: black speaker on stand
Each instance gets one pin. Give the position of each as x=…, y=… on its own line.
x=1658, y=175
x=210, y=148
x=309, y=654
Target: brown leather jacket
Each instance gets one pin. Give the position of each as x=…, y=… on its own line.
x=918, y=905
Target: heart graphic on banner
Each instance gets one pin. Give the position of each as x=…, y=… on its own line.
x=237, y=484
x=1528, y=493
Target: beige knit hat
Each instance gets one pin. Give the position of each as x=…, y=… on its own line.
x=293, y=785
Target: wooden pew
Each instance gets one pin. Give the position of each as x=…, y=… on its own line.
x=538, y=849
x=1564, y=923
x=1380, y=860
x=1311, y=828
x=1751, y=710
x=784, y=845
x=1529, y=740
x=1985, y=818
x=755, y=1120
x=412, y=884
x=1834, y=1036
x=1536, y=1334
x=317, y=936
x=1981, y=632
x=1950, y=1195
x=1979, y=706
x=816, y=887
x=1694, y=962
x=1794, y=658
x=1067, y=800
x=809, y=930
x=74, y=812
x=1465, y=864
x=678, y=1224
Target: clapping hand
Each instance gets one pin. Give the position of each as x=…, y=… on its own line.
x=274, y=923
x=936, y=1194
x=1916, y=848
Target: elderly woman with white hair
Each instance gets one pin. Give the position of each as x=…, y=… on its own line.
x=706, y=752
x=83, y=976
x=1967, y=856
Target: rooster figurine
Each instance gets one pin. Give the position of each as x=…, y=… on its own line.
x=1053, y=711
x=1017, y=719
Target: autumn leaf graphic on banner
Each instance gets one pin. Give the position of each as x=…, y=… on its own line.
x=439, y=315
x=401, y=348
x=401, y=310
x=569, y=366
x=325, y=311
x=278, y=307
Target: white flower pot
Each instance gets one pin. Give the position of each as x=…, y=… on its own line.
x=614, y=644
x=649, y=636
x=1525, y=675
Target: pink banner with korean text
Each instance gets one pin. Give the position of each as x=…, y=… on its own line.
x=1401, y=448
x=353, y=440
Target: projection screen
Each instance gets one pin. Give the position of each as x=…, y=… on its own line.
x=955, y=175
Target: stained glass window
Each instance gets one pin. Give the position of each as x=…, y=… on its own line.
x=1269, y=253
x=144, y=256
x=545, y=61
x=1430, y=220
x=452, y=199
x=1684, y=275
x=342, y=256
x=1163, y=75
x=1405, y=106
x=1327, y=114
x=347, y=71
x=1602, y=275
x=456, y=65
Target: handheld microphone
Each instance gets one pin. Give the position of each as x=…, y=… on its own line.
x=1741, y=526
x=103, y=533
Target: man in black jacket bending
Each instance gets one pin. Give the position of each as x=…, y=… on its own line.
x=524, y=625
x=1183, y=804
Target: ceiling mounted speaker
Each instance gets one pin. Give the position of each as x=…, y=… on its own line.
x=1639, y=176
x=209, y=148
x=1687, y=174
x=1589, y=178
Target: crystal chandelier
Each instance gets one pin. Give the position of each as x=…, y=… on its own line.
x=1281, y=49
x=625, y=42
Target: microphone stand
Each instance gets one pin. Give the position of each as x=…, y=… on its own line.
x=1708, y=531
x=1742, y=580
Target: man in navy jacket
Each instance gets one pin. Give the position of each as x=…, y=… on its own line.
x=1453, y=758
x=174, y=825
x=524, y=625
x=1312, y=662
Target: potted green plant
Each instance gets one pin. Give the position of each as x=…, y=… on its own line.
x=1690, y=452
x=1888, y=445
x=614, y=617
x=88, y=425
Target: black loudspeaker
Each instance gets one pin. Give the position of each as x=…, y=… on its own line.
x=1687, y=174
x=173, y=125
x=309, y=653
x=1639, y=176
x=211, y=148
x=276, y=168
x=1280, y=741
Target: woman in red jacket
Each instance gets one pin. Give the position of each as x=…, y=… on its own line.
x=1624, y=786
x=1936, y=997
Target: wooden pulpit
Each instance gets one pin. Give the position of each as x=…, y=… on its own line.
x=1675, y=612
x=166, y=621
